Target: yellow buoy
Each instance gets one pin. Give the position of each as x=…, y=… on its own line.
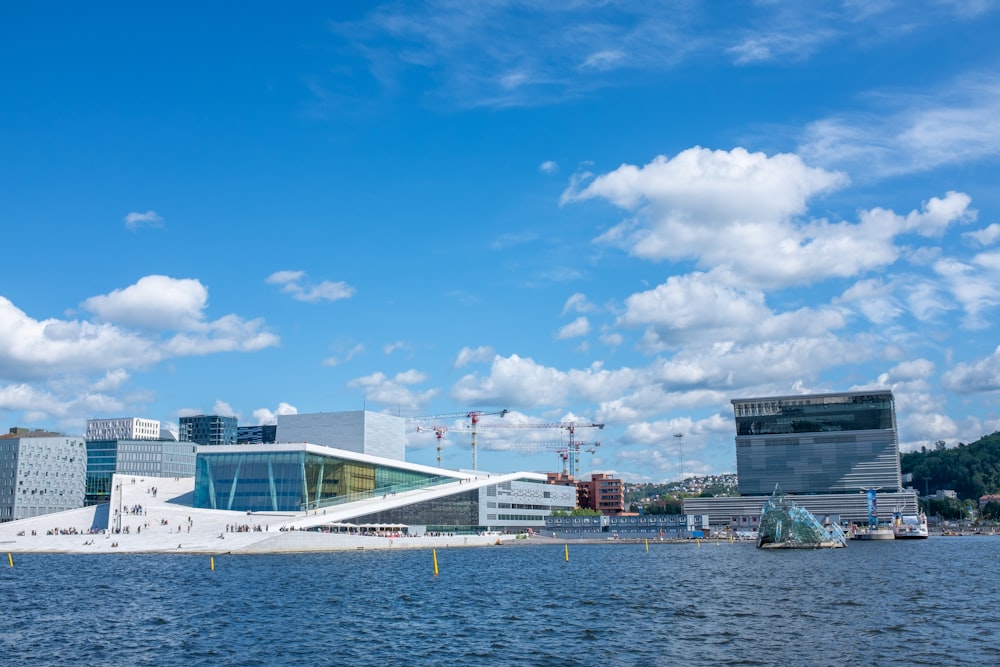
x=213, y=563
x=647, y=544
x=435, y=554
x=10, y=559
x=698, y=542
x=567, y=553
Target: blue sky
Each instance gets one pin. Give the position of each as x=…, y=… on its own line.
x=574, y=211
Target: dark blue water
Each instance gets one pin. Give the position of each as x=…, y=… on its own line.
x=928, y=602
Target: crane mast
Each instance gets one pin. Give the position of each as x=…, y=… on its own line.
x=473, y=416
x=573, y=448
x=557, y=446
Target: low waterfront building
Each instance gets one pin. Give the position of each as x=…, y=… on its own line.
x=305, y=477
x=40, y=473
x=635, y=526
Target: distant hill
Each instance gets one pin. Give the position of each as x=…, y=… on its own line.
x=970, y=470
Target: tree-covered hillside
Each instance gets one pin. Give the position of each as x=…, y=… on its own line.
x=970, y=470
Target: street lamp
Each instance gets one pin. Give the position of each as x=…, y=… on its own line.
x=680, y=455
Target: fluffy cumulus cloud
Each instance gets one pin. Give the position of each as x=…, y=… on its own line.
x=578, y=327
x=295, y=284
x=154, y=302
x=692, y=308
x=978, y=376
x=395, y=392
x=986, y=236
x=266, y=416
x=740, y=216
x=33, y=349
x=164, y=304
x=83, y=361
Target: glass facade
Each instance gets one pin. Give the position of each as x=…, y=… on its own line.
x=815, y=414
x=147, y=458
x=208, y=429
x=102, y=457
x=825, y=443
x=457, y=513
x=294, y=480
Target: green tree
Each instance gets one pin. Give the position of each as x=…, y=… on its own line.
x=991, y=511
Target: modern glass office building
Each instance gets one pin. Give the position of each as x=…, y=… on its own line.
x=816, y=444
x=826, y=449
x=144, y=458
x=208, y=429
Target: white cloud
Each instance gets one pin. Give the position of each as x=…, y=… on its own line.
x=912, y=132
x=410, y=376
x=468, y=355
x=736, y=215
x=548, y=167
x=578, y=303
x=292, y=282
x=111, y=381
x=265, y=416
x=612, y=339
x=350, y=354
x=223, y=409
x=154, y=302
x=53, y=348
x=394, y=392
x=148, y=219
x=977, y=291
x=982, y=375
x=986, y=236
x=578, y=327
x=389, y=348
x=692, y=308
x=876, y=299
x=34, y=349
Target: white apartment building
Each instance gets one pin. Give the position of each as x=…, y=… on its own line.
x=123, y=428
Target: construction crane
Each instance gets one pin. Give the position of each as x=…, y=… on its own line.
x=573, y=447
x=557, y=446
x=439, y=431
x=473, y=417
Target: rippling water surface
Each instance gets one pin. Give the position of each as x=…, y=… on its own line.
x=927, y=602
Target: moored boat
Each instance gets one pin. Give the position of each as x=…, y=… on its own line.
x=910, y=526
x=867, y=533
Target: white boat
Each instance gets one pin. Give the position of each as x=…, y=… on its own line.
x=882, y=532
x=910, y=526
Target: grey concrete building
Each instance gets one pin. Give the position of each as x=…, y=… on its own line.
x=361, y=431
x=40, y=473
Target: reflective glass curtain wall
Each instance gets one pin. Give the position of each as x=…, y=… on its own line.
x=293, y=481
